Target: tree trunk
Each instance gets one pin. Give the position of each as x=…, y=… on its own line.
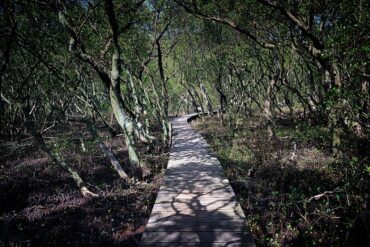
x=56, y=157
x=268, y=109
x=107, y=152
x=115, y=95
x=140, y=169
x=193, y=101
x=206, y=98
x=335, y=114
x=112, y=82
x=222, y=98
x=165, y=97
x=141, y=130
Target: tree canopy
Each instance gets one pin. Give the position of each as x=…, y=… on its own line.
x=130, y=66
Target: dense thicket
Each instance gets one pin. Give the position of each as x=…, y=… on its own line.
x=138, y=62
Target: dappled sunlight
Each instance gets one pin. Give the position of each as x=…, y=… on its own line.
x=196, y=204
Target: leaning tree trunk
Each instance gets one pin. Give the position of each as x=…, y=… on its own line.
x=146, y=100
x=141, y=130
x=112, y=82
x=140, y=169
x=206, y=98
x=110, y=128
x=167, y=132
x=115, y=96
x=54, y=155
x=95, y=106
x=192, y=96
x=222, y=98
x=160, y=114
x=268, y=108
x=194, y=92
x=107, y=152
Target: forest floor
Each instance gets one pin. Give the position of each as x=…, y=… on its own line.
x=40, y=204
x=293, y=192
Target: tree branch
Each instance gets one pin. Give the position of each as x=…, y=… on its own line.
x=296, y=21
x=196, y=12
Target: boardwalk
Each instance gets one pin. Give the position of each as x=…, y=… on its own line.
x=196, y=205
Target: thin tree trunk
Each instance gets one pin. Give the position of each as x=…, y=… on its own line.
x=93, y=102
x=146, y=101
x=206, y=98
x=107, y=152
x=111, y=130
x=268, y=108
x=335, y=115
x=193, y=101
x=140, y=169
x=194, y=92
x=222, y=98
x=53, y=155
x=164, y=112
x=141, y=131
x=160, y=113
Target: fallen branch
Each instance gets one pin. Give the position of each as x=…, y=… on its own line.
x=318, y=196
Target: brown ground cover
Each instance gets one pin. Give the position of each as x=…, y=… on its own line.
x=292, y=190
x=41, y=206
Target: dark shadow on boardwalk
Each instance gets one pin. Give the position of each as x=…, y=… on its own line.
x=196, y=205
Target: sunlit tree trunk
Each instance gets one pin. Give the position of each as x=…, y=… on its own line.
x=335, y=114
x=115, y=96
x=222, y=98
x=364, y=112
x=192, y=96
x=268, y=104
x=194, y=93
x=54, y=155
x=107, y=152
x=166, y=125
x=147, y=103
x=141, y=130
x=206, y=98
x=112, y=82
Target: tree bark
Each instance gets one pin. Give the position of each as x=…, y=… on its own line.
x=107, y=152
x=115, y=95
x=111, y=82
x=54, y=155
x=206, y=98
x=335, y=114
x=164, y=112
x=268, y=109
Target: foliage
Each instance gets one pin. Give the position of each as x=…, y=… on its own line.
x=259, y=63
x=312, y=200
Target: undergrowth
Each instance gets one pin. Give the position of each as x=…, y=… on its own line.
x=40, y=204
x=294, y=193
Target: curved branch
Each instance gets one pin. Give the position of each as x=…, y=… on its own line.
x=196, y=12
x=296, y=21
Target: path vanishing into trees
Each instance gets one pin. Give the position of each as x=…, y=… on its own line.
x=196, y=206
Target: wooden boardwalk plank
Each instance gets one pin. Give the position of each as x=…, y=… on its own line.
x=198, y=237
x=202, y=198
x=216, y=226
x=197, y=216
x=196, y=206
x=203, y=244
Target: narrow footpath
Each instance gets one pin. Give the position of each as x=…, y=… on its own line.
x=196, y=205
